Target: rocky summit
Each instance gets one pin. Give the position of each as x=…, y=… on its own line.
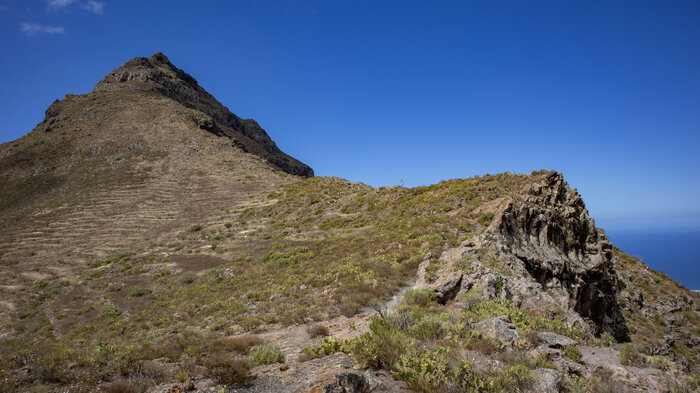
x=153, y=241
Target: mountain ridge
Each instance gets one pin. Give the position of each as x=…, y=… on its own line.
x=147, y=237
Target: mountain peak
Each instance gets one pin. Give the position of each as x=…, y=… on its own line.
x=157, y=74
x=146, y=73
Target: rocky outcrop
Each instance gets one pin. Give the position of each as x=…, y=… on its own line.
x=542, y=248
x=158, y=74
x=550, y=232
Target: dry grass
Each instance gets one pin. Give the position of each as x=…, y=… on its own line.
x=239, y=344
x=227, y=369
x=317, y=330
x=120, y=387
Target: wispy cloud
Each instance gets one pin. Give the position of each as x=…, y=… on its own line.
x=32, y=29
x=93, y=6
x=59, y=3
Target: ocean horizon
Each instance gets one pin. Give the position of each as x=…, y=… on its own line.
x=674, y=252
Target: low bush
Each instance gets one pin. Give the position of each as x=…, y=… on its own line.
x=630, y=355
x=429, y=327
x=515, y=378
x=381, y=347
x=317, y=330
x=327, y=346
x=572, y=352
x=120, y=387
x=485, y=218
x=266, y=354
x=137, y=291
x=186, y=278
x=419, y=297
x=241, y=344
x=427, y=371
x=607, y=340
x=471, y=298
x=226, y=369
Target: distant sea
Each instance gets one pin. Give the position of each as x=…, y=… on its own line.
x=677, y=253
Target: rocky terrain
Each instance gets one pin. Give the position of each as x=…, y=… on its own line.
x=151, y=240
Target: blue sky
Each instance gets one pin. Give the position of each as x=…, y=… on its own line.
x=606, y=92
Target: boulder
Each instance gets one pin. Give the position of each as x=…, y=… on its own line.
x=498, y=328
x=347, y=383
x=553, y=340
x=447, y=285
x=548, y=381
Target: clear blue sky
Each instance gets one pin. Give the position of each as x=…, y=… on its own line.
x=606, y=92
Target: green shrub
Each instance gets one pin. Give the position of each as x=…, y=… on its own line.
x=381, y=347
x=630, y=355
x=415, y=234
x=194, y=228
x=485, y=218
x=514, y=378
x=572, y=352
x=429, y=327
x=266, y=354
x=227, y=370
x=607, y=340
x=137, y=291
x=186, y=278
x=327, y=346
x=113, y=287
x=471, y=298
x=544, y=360
x=228, y=224
x=419, y=297
x=427, y=371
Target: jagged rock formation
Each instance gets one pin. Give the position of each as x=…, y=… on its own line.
x=552, y=251
x=551, y=232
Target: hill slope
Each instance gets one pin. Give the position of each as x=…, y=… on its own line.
x=146, y=233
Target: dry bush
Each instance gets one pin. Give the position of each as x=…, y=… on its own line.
x=227, y=369
x=120, y=387
x=531, y=337
x=483, y=345
x=317, y=330
x=239, y=344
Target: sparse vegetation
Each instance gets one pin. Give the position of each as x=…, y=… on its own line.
x=227, y=369
x=317, y=330
x=630, y=355
x=266, y=354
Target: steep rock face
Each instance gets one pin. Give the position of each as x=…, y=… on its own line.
x=158, y=74
x=541, y=248
x=551, y=232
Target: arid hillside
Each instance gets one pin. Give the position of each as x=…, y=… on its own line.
x=151, y=240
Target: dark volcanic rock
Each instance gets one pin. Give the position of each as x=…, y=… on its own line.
x=553, y=252
x=551, y=232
